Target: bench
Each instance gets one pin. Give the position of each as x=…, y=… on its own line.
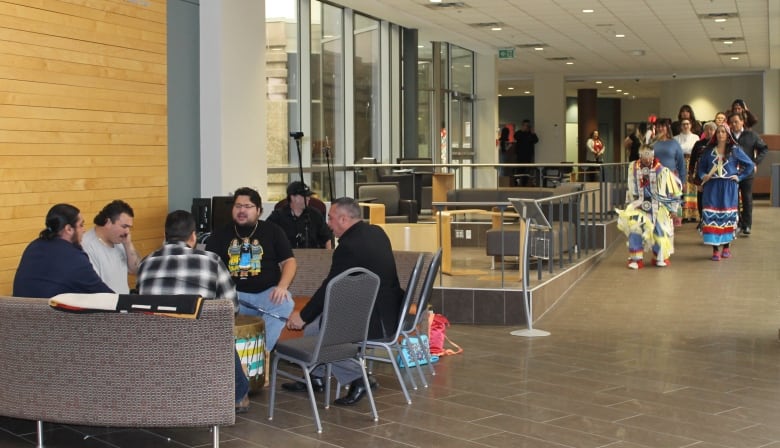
x=116, y=369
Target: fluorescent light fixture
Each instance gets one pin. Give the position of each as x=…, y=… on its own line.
x=538, y=48
x=625, y=93
x=619, y=90
x=570, y=63
x=598, y=82
x=620, y=35
x=435, y=1
x=720, y=20
x=495, y=28
x=610, y=87
x=527, y=92
x=510, y=88
x=587, y=11
x=728, y=42
x=421, y=46
x=735, y=58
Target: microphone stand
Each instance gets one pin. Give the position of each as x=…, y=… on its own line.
x=298, y=136
x=328, y=167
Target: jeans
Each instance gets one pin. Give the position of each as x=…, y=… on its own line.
x=242, y=382
x=273, y=325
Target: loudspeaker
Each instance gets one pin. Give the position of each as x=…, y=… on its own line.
x=222, y=212
x=201, y=211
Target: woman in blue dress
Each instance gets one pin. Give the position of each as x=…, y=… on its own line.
x=721, y=166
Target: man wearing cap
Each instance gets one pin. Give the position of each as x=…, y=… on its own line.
x=304, y=225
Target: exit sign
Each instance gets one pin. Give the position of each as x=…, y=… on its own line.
x=506, y=53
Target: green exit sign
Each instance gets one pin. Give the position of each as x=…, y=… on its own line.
x=506, y=53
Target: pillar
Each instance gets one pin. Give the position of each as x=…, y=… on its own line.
x=550, y=117
x=232, y=96
x=587, y=120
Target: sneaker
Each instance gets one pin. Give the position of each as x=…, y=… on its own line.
x=242, y=405
x=726, y=253
x=661, y=263
x=715, y=256
x=636, y=264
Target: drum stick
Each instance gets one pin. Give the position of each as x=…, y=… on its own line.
x=262, y=311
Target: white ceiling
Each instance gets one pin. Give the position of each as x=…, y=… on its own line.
x=663, y=38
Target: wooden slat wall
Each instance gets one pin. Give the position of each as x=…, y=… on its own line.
x=83, y=116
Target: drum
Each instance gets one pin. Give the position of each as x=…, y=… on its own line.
x=249, y=333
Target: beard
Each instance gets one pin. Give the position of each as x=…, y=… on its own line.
x=74, y=239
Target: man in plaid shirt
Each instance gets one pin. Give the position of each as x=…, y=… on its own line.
x=179, y=268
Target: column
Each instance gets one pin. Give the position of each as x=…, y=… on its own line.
x=232, y=96
x=550, y=117
x=587, y=120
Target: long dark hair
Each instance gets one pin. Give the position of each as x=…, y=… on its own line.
x=58, y=217
x=730, y=142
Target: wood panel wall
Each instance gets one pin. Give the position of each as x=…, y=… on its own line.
x=83, y=116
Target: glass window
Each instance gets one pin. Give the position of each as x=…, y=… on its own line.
x=425, y=99
x=327, y=88
x=462, y=70
x=366, y=65
x=283, y=98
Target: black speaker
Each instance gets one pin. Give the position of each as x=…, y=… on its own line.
x=201, y=211
x=221, y=212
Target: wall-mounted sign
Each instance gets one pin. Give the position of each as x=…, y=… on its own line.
x=506, y=53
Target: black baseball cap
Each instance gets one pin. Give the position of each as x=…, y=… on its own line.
x=298, y=188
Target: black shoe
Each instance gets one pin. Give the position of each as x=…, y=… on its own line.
x=746, y=230
x=316, y=383
x=356, y=392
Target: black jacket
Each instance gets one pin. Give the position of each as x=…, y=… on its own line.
x=754, y=147
x=367, y=246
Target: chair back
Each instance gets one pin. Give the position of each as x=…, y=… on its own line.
x=411, y=320
x=411, y=288
x=386, y=193
x=313, y=202
x=349, y=301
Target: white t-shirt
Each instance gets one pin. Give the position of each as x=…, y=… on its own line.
x=110, y=263
x=686, y=142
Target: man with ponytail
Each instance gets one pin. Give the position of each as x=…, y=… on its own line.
x=54, y=263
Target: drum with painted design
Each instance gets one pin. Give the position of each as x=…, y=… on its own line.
x=249, y=333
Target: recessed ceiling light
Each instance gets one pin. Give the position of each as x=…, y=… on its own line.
x=435, y=1
x=510, y=88
x=538, y=48
x=625, y=93
x=728, y=42
x=735, y=58
x=598, y=82
x=620, y=35
x=499, y=94
x=421, y=46
x=720, y=20
x=495, y=28
x=570, y=63
x=527, y=92
x=610, y=87
x=619, y=90
x=587, y=11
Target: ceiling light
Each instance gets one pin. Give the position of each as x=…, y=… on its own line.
x=435, y=1
x=495, y=28
x=625, y=93
x=735, y=58
x=728, y=42
x=620, y=35
x=587, y=11
x=510, y=88
x=598, y=82
x=570, y=63
x=720, y=20
x=527, y=92
x=421, y=46
x=499, y=94
x=619, y=90
x=610, y=87
x=538, y=48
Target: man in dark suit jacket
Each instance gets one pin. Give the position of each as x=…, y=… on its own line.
x=360, y=245
x=751, y=143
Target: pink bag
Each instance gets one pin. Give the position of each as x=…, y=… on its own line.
x=437, y=335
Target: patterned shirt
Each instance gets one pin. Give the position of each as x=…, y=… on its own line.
x=176, y=268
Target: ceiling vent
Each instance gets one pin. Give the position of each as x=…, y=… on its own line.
x=561, y=58
x=536, y=45
x=487, y=25
x=719, y=15
x=446, y=5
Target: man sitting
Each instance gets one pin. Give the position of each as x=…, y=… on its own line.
x=178, y=268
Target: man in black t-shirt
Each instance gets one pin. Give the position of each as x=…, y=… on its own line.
x=260, y=260
x=304, y=225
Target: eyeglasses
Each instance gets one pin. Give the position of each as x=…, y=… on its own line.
x=244, y=206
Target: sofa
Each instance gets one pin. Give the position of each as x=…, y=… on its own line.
x=116, y=369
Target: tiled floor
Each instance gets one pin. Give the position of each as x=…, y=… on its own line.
x=684, y=356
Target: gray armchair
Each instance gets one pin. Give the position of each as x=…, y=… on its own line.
x=397, y=210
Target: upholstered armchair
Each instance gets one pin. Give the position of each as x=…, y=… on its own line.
x=397, y=210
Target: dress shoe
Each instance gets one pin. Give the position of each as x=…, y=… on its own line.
x=746, y=230
x=357, y=390
x=316, y=383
